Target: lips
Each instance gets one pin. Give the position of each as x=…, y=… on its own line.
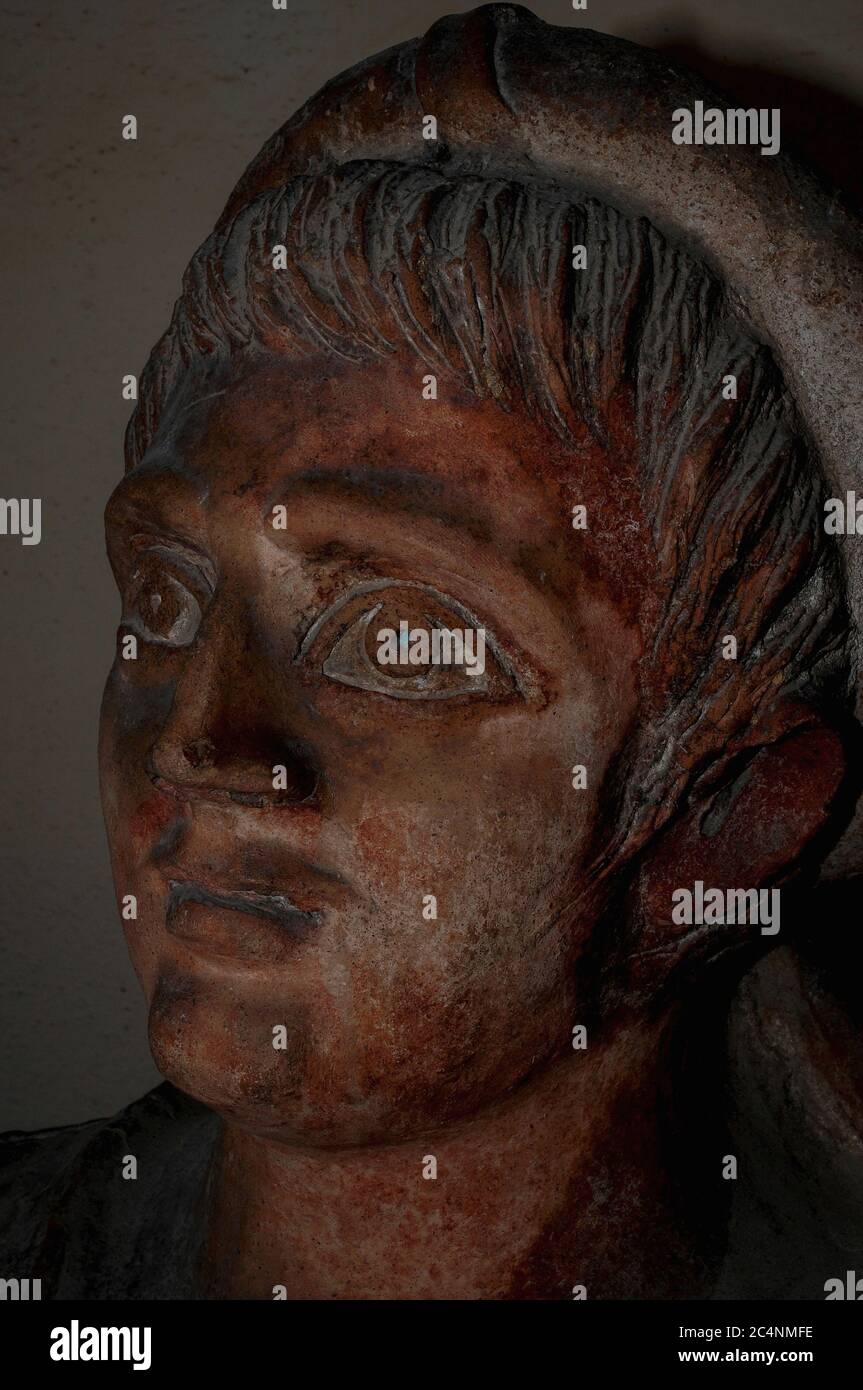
x=240, y=924
x=242, y=887
x=276, y=907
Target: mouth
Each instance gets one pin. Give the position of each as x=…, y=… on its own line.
x=244, y=924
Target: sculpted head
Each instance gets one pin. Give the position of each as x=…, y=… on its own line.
x=301, y=900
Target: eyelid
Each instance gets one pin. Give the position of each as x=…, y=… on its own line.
x=193, y=562
x=373, y=586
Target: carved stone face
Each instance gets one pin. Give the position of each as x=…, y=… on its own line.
x=304, y=905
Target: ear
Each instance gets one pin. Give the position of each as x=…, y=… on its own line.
x=773, y=817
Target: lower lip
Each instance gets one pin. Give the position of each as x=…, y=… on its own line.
x=255, y=929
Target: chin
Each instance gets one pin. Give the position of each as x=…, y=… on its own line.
x=294, y=1096
x=328, y=1084
x=218, y=1048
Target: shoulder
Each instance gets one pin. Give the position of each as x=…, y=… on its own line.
x=29, y=1156
x=77, y=1214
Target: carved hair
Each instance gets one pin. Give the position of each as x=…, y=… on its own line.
x=475, y=275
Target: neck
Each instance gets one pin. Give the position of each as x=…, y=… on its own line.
x=566, y=1183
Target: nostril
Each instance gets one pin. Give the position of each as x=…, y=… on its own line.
x=208, y=767
x=199, y=753
x=296, y=782
x=296, y=779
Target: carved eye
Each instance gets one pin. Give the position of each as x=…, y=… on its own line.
x=412, y=643
x=159, y=607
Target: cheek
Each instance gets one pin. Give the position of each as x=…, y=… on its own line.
x=137, y=818
x=467, y=851
x=461, y=997
x=385, y=843
x=486, y=820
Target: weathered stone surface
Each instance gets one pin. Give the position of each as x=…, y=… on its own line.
x=282, y=818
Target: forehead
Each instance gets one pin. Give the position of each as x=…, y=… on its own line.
x=284, y=421
x=369, y=440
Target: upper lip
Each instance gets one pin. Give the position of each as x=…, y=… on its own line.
x=262, y=899
x=227, y=857
x=262, y=796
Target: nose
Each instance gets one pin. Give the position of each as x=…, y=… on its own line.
x=230, y=724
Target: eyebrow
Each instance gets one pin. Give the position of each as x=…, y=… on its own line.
x=133, y=497
x=133, y=511
x=403, y=492
x=399, y=490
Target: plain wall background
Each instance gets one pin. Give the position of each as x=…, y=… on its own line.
x=96, y=233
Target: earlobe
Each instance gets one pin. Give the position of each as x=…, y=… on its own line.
x=758, y=829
